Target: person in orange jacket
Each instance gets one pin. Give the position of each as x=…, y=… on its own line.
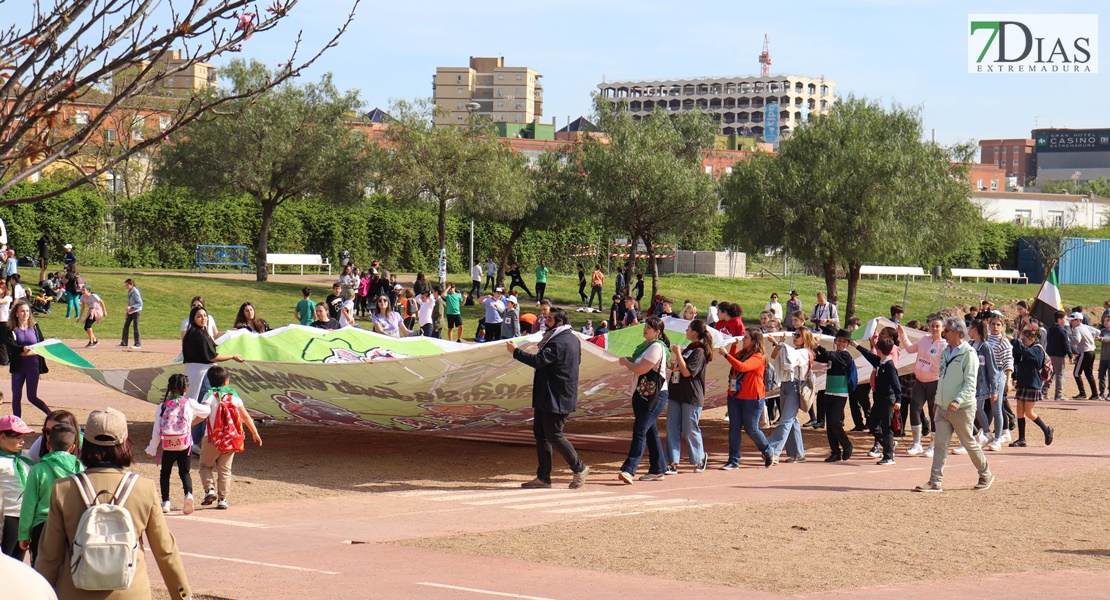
x=745, y=396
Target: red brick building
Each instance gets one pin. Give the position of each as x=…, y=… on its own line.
x=1016, y=156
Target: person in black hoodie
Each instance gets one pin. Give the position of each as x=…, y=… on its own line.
x=888, y=392
x=1028, y=360
x=1058, y=347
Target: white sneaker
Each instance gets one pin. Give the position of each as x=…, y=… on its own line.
x=1006, y=437
x=995, y=446
x=189, y=505
x=915, y=449
x=929, y=450
x=959, y=450
x=981, y=439
x=166, y=507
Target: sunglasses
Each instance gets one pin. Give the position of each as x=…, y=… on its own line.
x=797, y=334
x=383, y=301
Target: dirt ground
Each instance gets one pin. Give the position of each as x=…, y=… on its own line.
x=847, y=541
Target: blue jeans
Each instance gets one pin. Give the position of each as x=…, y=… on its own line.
x=645, y=432
x=682, y=422
x=743, y=415
x=788, y=434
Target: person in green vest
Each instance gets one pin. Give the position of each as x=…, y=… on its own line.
x=541, y=280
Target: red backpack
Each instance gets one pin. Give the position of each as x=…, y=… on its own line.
x=225, y=431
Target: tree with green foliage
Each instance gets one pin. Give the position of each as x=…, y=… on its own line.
x=466, y=169
x=1098, y=186
x=645, y=178
x=286, y=145
x=856, y=186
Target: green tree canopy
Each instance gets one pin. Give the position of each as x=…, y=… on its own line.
x=466, y=169
x=857, y=186
x=645, y=178
x=288, y=144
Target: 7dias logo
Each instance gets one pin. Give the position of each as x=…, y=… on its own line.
x=1032, y=44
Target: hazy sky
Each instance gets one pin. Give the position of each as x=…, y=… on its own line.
x=913, y=52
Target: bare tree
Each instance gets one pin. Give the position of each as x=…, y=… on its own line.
x=75, y=49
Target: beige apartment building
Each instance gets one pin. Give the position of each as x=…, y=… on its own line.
x=193, y=78
x=737, y=104
x=504, y=94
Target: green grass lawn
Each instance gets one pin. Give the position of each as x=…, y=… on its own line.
x=167, y=298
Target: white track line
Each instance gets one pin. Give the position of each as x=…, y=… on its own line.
x=219, y=521
x=560, y=494
x=607, y=499
x=261, y=564
x=495, y=493
x=630, y=506
x=478, y=591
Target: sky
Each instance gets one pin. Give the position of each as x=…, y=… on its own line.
x=910, y=52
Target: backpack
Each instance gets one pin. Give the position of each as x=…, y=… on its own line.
x=106, y=547
x=853, y=376
x=175, y=430
x=1046, y=370
x=770, y=377
x=225, y=431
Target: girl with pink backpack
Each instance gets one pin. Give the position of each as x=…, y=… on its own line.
x=173, y=422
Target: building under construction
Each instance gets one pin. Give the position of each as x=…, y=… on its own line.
x=739, y=105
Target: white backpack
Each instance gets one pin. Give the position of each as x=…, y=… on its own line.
x=105, y=549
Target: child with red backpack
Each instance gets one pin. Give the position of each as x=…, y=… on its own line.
x=224, y=437
x=172, y=434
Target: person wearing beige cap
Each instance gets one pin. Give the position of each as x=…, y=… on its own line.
x=106, y=455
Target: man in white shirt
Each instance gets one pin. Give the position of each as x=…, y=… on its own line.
x=476, y=279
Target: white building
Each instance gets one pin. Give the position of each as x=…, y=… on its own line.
x=1043, y=209
x=737, y=104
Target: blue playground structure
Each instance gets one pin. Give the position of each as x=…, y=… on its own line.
x=223, y=256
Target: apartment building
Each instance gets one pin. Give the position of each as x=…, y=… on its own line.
x=487, y=88
x=1016, y=156
x=738, y=104
x=189, y=79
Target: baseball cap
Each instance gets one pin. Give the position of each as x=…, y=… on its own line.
x=68, y=246
x=14, y=423
x=1076, y=317
x=513, y=299
x=397, y=286
x=106, y=427
x=502, y=290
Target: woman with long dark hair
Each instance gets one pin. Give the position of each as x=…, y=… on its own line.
x=746, y=396
x=40, y=448
x=248, y=319
x=687, y=396
x=24, y=365
x=648, y=364
x=198, y=350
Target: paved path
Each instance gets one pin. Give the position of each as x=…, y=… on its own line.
x=340, y=547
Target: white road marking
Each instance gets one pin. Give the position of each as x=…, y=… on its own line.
x=478, y=591
x=261, y=564
x=496, y=493
x=629, y=505
x=220, y=521
x=548, y=496
x=608, y=498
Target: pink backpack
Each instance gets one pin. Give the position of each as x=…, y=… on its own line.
x=175, y=431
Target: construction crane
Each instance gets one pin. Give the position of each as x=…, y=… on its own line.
x=765, y=57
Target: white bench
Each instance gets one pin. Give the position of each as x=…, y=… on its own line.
x=294, y=260
x=994, y=274
x=878, y=271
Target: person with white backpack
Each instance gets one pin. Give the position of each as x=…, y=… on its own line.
x=75, y=557
x=172, y=433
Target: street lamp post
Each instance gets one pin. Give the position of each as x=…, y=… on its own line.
x=471, y=109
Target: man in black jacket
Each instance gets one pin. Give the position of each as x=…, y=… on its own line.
x=1058, y=348
x=554, y=396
